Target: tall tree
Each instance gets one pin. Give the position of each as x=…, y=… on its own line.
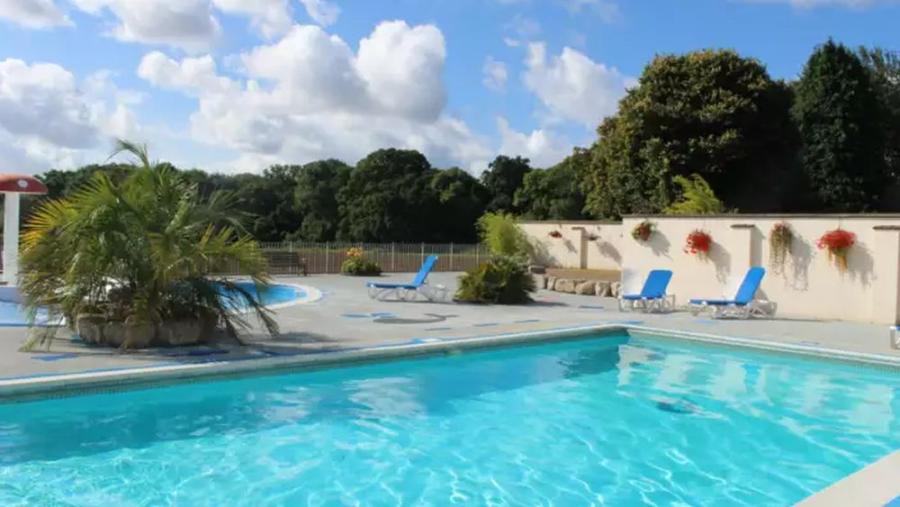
x=268, y=201
x=503, y=177
x=316, y=198
x=884, y=69
x=840, y=122
x=713, y=113
x=387, y=198
x=554, y=193
x=462, y=200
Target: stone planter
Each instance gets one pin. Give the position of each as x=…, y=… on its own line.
x=90, y=327
x=114, y=333
x=139, y=335
x=180, y=332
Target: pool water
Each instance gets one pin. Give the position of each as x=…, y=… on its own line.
x=609, y=420
x=12, y=314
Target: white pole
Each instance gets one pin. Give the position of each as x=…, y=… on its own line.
x=10, y=238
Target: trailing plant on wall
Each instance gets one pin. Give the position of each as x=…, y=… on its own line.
x=698, y=243
x=781, y=238
x=838, y=243
x=643, y=230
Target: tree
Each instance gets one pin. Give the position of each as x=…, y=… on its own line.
x=884, y=71
x=316, y=198
x=461, y=200
x=140, y=251
x=554, y=193
x=268, y=202
x=696, y=198
x=840, y=123
x=708, y=112
x=503, y=177
x=387, y=198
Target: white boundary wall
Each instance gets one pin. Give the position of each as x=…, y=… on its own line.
x=810, y=285
x=584, y=245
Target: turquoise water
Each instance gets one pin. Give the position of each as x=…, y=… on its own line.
x=611, y=420
x=12, y=314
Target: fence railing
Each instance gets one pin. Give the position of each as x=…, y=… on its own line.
x=290, y=257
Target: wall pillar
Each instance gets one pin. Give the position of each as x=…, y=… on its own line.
x=885, y=305
x=10, y=238
x=741, y=248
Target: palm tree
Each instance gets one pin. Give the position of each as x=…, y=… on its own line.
x=144, y=250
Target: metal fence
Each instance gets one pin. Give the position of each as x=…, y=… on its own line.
x=290, y=258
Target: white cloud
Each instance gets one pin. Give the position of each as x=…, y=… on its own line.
x=573, y=86
x=270, y=17
x=33, y=13
x=186, y=24
x=48, y=119
x=607, y=11
x=495, y=74
x=542, y=147
x=322, y=12
x=308, y=96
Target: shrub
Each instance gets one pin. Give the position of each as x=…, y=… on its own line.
x=501, y=280
x=140, y=252
x=357, y=265
x=697, y=198
x=502, y=236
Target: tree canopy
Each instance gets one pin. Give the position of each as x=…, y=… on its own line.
x=711, y=113
x=840, y=121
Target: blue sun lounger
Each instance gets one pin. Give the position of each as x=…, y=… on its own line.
x=410, y=291
x=653, y=295
x=744, y=303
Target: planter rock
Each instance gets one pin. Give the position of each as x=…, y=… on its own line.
x=615, y=289
x=565, y=285
x=602, y=289
x=90, y=327
x=180, y=332
x=586, y=288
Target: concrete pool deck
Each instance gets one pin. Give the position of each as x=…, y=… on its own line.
x=352, y=326
x=345, y=318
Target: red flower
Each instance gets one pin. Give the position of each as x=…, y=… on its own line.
x=837, y=240
x=698, y=243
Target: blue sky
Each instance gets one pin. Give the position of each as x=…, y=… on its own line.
x=232, y=85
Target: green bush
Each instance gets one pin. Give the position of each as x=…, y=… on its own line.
x=360, y=266
x=502, y=280
x=502, y=236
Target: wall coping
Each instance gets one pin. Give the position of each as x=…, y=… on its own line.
x=572, y=222
x=773, y=215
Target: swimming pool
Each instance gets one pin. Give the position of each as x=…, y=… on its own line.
x=13, y=314
x=612, y=419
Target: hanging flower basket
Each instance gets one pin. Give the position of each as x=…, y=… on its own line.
x=781, y=239
x=643, y=230
x=838, y=243
x=698, y=243
x=555, y=234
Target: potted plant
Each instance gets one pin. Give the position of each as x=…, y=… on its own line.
x=555, y=234
x=356, y=264
x=150, y=252
x=643, y=231
x=781, y=239
x=698, y=243
x=838, y=243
